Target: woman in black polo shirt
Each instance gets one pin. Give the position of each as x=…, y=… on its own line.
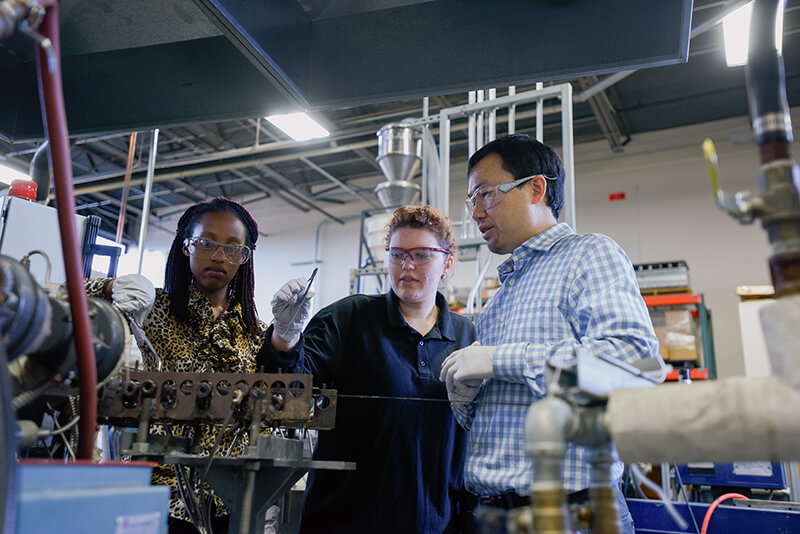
x=407, y=446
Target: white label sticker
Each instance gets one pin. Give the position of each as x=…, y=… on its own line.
x=138, y=524
x=753, y=469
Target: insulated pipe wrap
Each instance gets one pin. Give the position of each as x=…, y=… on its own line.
x=735, y=419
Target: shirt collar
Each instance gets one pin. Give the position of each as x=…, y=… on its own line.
x=200, y=306
x=541, y=242
x=443, y=321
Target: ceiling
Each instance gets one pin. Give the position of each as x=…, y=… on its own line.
x=212, y=136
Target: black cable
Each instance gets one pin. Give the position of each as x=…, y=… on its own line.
x=688, y=505
x=209, y=505
x=197, y=483
x=188, y=497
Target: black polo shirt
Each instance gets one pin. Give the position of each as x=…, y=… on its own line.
x=409, y=453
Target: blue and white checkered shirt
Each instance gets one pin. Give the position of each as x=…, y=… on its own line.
x=560, y=290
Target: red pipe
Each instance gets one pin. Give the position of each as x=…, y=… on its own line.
x=55, y=119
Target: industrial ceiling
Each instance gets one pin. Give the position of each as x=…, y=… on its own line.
x=206, y=72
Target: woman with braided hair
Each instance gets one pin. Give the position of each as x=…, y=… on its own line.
x=204, y=320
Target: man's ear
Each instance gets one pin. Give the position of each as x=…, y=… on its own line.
x=538, y=189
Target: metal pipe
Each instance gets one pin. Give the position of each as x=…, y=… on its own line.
x=148, y=192
x=779, y=179
x=567, y=156
x=479, y=127
x=492, y=117
x=340, y=183
x=512, y=111
x=548, y=424
x=126, y=185
x=444, y=162
x=471, y=133
x=472, y=298
x=539, y=115
x=48, y=64
x=602, y=492
x=424, y=178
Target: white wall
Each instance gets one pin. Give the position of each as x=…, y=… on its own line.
x=669, y=214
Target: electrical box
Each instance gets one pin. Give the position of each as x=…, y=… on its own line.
x=26, y=226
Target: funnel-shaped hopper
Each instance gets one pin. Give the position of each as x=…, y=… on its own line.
x=399, y=151
x=397, y=193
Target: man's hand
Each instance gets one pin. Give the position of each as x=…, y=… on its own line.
x=289, y=315
x=464, y=370
x=470, y=363
x=464, y=391
x=133, y=294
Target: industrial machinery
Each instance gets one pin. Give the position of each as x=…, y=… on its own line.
x=37, y=333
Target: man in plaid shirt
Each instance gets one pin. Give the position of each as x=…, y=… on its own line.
x=560, y=290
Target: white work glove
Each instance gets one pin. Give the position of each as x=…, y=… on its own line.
x=133, y=294
x=464, y=391
x=288, y=314
x=470, y=363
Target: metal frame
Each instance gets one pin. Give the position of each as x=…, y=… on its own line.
x=560, y=91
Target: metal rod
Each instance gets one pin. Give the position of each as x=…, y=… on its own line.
x=444, y=162
x=539, y=115
x=492, y=117
x=148, y=192
x=479, y=126
x=126, y=185
x=471, y=126
x=567, y=155
x=512, y=111
x=340, y=183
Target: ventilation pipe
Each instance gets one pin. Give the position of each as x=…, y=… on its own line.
x=400, y=158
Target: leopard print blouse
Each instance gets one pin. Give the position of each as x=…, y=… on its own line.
x=201, y=344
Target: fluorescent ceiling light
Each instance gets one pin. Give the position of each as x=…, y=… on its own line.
x=298, y=126
x=736, y=29
x=8, y=175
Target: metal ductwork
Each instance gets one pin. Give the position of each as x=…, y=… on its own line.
x=400, y=158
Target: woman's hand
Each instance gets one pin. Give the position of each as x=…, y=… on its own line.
x=134, y=295
x=291, y=309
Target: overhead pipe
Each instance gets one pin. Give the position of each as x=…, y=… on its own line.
x=512, y=111
x=539, y=115
x=126, y=185
x=148, y=195
x=492, y=134
x=479, y=127
x=48, y=64
x=424, y=177
x=471, y=123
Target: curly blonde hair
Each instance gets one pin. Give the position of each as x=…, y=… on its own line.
x=427, y=218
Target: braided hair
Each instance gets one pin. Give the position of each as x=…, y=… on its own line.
x=178, y=276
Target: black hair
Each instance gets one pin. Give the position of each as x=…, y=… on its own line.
x=523, y=156
x=178, y=275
